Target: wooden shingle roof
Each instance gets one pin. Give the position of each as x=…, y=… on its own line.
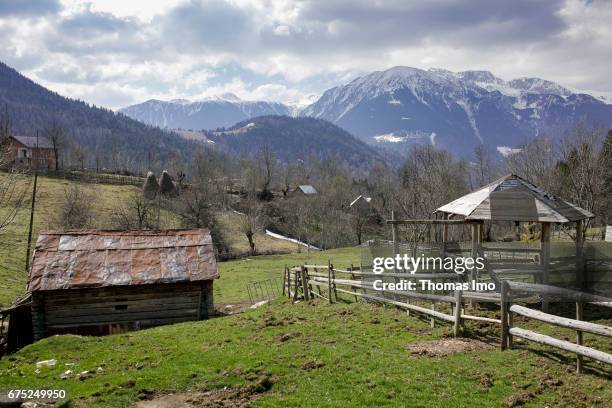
x=512, y=198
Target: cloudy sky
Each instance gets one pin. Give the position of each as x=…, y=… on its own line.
x=119, y=52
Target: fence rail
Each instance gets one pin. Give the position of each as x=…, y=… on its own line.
x=508, y=330
x=98, y=178
x=319, y=281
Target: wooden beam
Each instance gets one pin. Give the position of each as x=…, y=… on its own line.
x=574, y=324
x=563, y=345
x=580, y=278
x=394, y=238
x=428, y=221
x=545, y=258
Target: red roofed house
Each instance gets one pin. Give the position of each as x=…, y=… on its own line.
x=28, y=151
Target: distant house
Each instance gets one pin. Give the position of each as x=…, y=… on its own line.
x=361, y=203
x=608, y=233
x=30, y=151
x=93, y=282
x=304, y=190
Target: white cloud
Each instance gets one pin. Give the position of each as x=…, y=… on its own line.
x=288, y=49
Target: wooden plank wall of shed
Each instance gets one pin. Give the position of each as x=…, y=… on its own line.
x=118, y=308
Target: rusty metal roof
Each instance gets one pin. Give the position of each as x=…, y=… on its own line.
x=94, y=258
x=512, y=198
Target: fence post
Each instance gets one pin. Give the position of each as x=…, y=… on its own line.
x=432, y=323
x=304, y=284
x=504, y=314
x=394, y=239
x=579, y=316
x=457, y=323
x=330, y=266
x=510, y=299
x=284, y=279
x=295, y=284
x=353, y=278
x=328, y=282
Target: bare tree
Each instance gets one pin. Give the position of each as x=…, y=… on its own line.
x=137, y=213
x=581, y=173
x=426, y=170
x=76, y=210
x=287, y=177
x=536, y=162
x=251, y=221
x=482, y=168
x=14, y=186
x=266, y=164
x=55, y=134
x=80, y=155
x=195, y=208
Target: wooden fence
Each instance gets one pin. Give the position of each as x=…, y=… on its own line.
x=97, y=178
x=509, y=309
x=325, y=282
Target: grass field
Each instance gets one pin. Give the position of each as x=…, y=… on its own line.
x=235, y=275
x=307, y=354
x=13, y=241
x=303, y=355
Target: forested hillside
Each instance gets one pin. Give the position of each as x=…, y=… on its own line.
x=99, y=137
x=296, y=138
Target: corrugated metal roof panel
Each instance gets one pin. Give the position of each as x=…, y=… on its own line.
x=91, y=258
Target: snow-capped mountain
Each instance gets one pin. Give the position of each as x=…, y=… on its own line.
x=211, y=113
x=455, y=110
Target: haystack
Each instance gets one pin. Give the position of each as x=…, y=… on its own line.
x=150, y=187
x=166, y=186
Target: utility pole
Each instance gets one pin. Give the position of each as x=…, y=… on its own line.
x=35, y=158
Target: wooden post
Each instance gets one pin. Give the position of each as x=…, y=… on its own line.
x=475, y=240
x=510, y=338
x=407, y=310
x=353, y=278
x=444, y=236
x=304, y=284
x=475, y=235
x=504, y=314
x=581, y=282
x=579, y=316
x=432, y=322
x=394, y=238
x=329, y=283
x=330, y=266
x=545, y=258
x=517, y=230
x=295, y=285
x=361, y=270
x=33, y=206
x=457, y=314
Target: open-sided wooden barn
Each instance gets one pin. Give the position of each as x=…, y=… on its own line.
x=104, y=282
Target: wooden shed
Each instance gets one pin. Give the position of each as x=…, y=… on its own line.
x=103, y=282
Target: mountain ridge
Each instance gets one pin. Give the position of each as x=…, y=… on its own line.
x=209, y=113
x=454, y=110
